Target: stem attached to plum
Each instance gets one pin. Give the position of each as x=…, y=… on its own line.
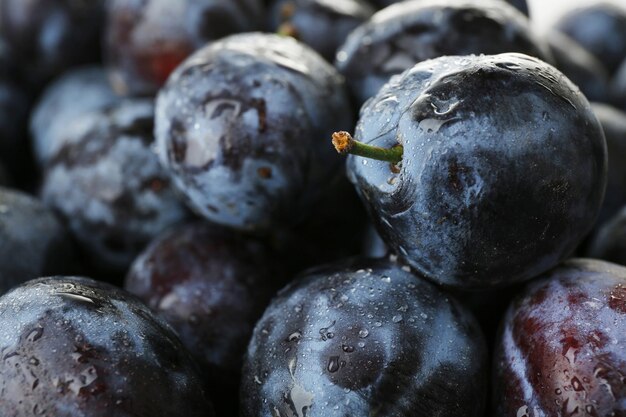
x=345, y=144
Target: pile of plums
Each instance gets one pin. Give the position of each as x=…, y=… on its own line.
x=312, y=208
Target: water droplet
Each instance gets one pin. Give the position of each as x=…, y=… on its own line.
x=347, y=348
x=577, y=385
x=523, y=411
x=35, y=335
x=558, y=391
x=363, y=333
x=333, y=364
x=378, y=324
x=294, y=337
x=33, y=361
x=397, y=318
x=385, y=278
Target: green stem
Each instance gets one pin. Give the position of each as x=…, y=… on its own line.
x=345, y=144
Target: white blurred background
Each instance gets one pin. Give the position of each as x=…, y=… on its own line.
x=545, y=12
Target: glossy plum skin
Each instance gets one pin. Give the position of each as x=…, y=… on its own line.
x=243, y=124
x=400, y=36
x=503, y=173
x=521, y=5
x=47, y=37
x=60, y=107
x=76, y=347
x=580, y=66
x=211, y=285
x=146, y=40
x=108, y=185
x=361, y=338
x=322, y=24
x=599, y=28
x=33, y=242
x=561, y=350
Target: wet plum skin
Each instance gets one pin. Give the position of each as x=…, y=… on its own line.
x=107, y=183
x=406, y=33
x=146, y=41
x=33, y=242
x=562, y=343
x=77, y=347
x=521, y=5
x=496, y=206
x=212, y=285
x=363, y=336
x=246, y=144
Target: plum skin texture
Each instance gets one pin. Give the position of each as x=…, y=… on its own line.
x=77, y=347
x=562, y=345
x=503, y=174
x=364, y=337
x=396, y=38
x=211, y=284
x=241, y=124
x=107, y=183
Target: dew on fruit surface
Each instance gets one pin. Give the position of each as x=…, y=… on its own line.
x=523, y=411
x=333, y=364
x=558, y=391
x=361, y=344
x=363, y=333
x=385, y=278
x=397, y=318
x=294, y=337
x=347, y=348
x=35, y=335
x=576, y=384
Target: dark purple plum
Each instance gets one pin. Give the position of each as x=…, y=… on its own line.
x=46, y=37
x=609, y=240
x=146, y=40
x=240, y=126
x=62, y=105
x=502, y=173
x=400, y=36
x=363, y=338
x=33, y=242
x=212, y=285
x=613, y=123
x=519, y=4
x=75, y=347
x=561, y=350
x=107, y=183
x=322, y=24
x=601, y=29
x=580, y=66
